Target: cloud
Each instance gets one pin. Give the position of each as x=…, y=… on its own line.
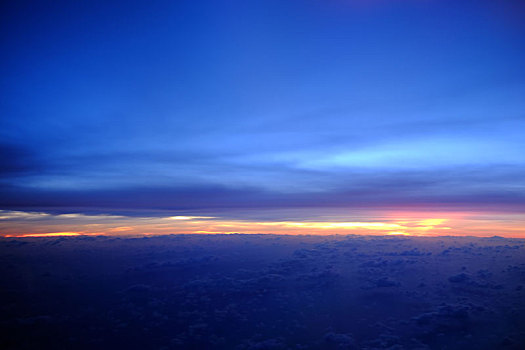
x=492, y=189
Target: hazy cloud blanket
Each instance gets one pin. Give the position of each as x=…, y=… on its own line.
x=262, y=292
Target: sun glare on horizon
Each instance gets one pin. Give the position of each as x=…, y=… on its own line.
x=35, y=224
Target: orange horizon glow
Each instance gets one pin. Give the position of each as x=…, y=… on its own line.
x=28, y=224
x=50, y=234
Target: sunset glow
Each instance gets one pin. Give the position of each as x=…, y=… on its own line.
x=50, y=234
x=409, y=223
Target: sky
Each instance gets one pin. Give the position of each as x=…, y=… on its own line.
x=340, y=116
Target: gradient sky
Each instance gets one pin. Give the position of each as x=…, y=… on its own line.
x=261, y=113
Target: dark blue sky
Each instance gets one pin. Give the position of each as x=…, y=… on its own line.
x=111, y=106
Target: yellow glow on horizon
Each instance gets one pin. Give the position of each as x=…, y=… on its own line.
x=398, y=233
x=413, y=223
x=50, y=234
x=342, y=225
x=194, y=224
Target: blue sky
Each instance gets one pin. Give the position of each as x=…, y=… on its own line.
x=161, y=105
